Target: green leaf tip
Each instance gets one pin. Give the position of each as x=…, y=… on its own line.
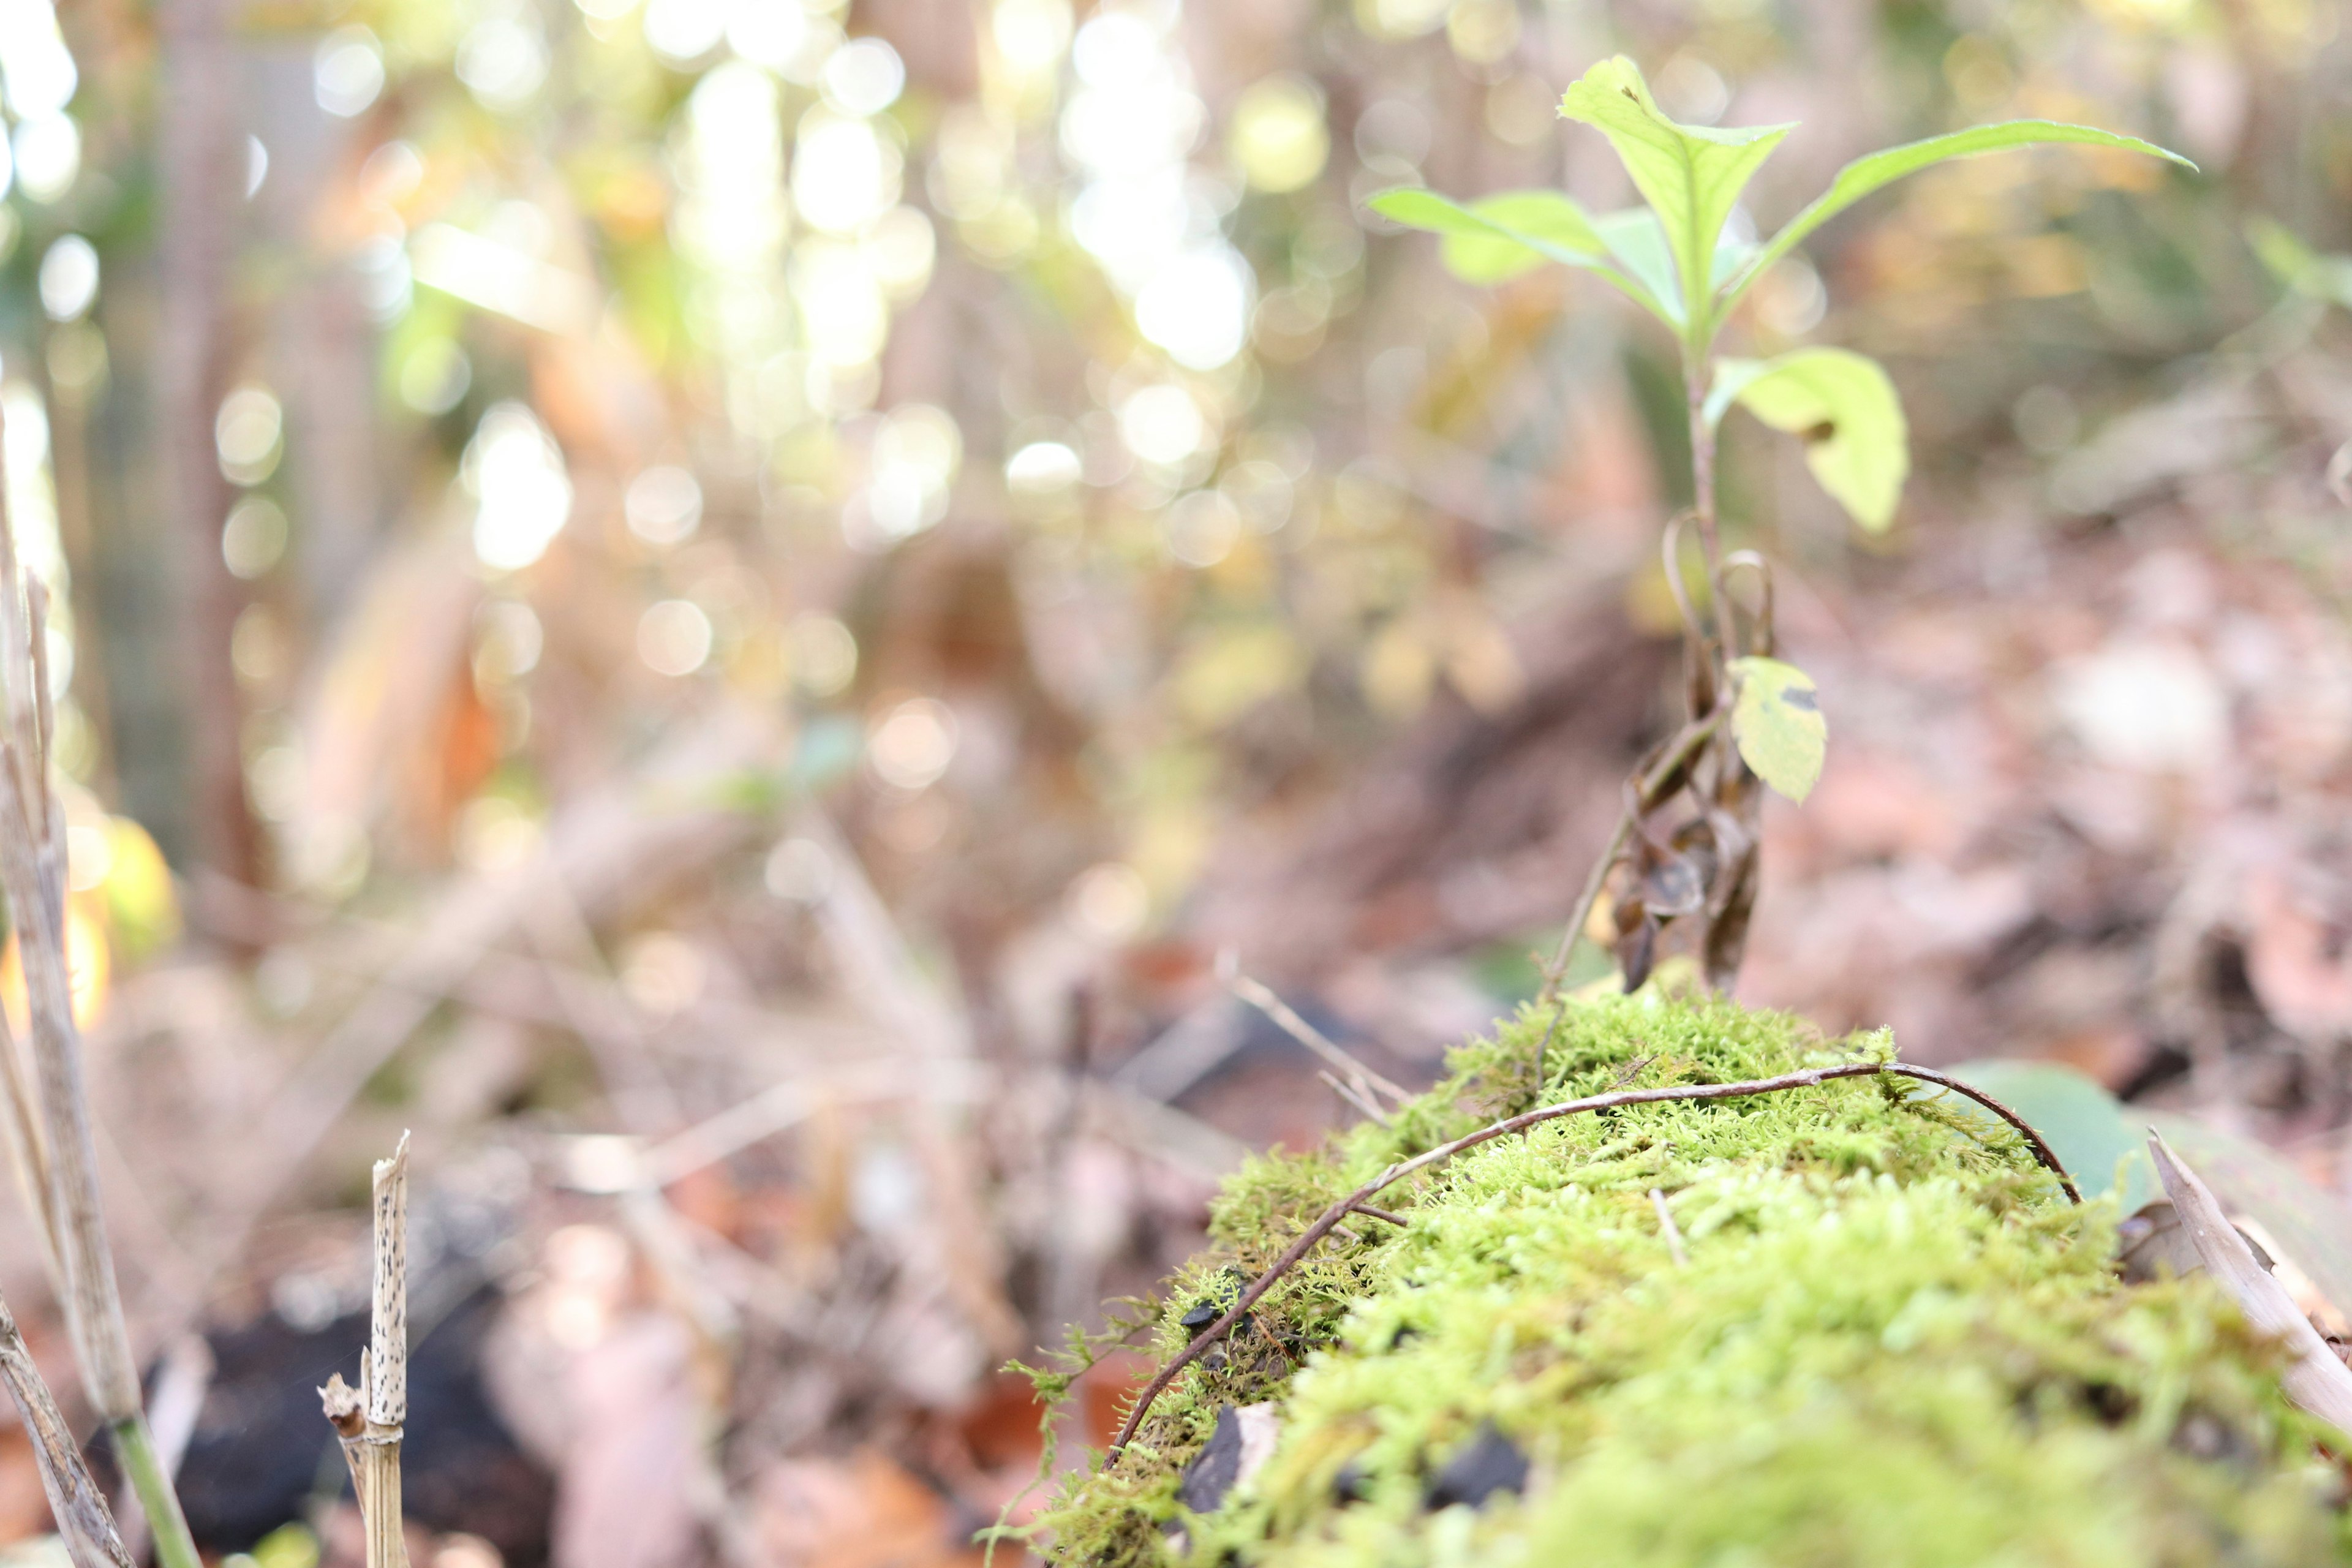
x=1691, y=175
x=1495, y=238
x=1843, y=407
x=1865, y=174
x=1778, y=724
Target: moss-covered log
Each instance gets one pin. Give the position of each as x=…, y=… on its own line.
x=1849, y=1323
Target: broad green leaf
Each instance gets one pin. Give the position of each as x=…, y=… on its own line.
x=2103, y=1142
x=1491, y=257
x=1777, y=723
x=1690, y=174
x=1844, y=408
x=1864, y=175
x=2085, y=1125
x=1501, y=237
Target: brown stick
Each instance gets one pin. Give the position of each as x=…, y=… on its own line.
x=84, y=1522
x=369, y=1420
x=1324, y=1223
x=1363, y=1080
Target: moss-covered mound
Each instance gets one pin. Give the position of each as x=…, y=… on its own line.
x=1893, y=1342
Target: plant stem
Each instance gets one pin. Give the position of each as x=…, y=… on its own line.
x=1678, y=752
x=134, y=1446
x=1702, y=443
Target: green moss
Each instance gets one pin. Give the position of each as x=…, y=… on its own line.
x=1893, y=1342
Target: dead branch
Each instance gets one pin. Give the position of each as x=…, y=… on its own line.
x=369, y=1420
x=84, y=1522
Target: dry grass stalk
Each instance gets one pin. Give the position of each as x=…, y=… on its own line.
x=53, y=1152
x=369, y=1419
x=1360, y=1079
x=84, y=1522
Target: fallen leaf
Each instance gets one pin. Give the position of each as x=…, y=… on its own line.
x=863, y=1511
x=2315, y=1379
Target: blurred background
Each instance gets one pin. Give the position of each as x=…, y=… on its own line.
x=744, y=612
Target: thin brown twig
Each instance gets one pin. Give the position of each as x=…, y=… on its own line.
x=1353, y=1096
x=1263, y=997
x=1354, y=1201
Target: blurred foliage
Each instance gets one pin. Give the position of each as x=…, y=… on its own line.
x=1019, y=403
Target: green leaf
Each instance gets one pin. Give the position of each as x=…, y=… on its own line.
x=1500, y=237
x=2085, y=1125
x=1844, y=409
x=2300, y=267
x=1864, y=175
x=1779, y=725
x=2102, y=1143
x=1638, y=241
x=1690, y=174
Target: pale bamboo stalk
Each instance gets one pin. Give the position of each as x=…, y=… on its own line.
x=58, y=1148
x=84, y=1522
x=369, y=1420
x=28, y=1147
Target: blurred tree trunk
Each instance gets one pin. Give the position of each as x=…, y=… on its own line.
x=321, y=342
x=200, y=162
x=129, y=586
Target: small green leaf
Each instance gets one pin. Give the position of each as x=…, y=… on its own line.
x=1638, y=241
x=1864, y=175
x=1500, y=237
x=1845, y=410
x=2300, y=267
x=1545, y=216
x=1690, y=174
x=1779, y=725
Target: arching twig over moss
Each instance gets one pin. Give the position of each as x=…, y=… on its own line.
x=1355, y=1202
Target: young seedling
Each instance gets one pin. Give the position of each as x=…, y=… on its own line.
x=1754, y=720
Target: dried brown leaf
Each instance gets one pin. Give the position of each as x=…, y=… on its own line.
x=2315, y=1379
